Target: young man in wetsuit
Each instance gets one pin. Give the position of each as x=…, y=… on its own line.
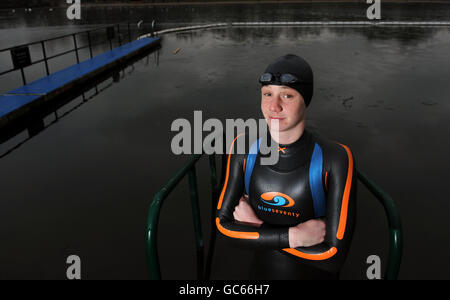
x=300, y=212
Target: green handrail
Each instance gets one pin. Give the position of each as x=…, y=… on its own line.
x=155, y=208
x=395, y=228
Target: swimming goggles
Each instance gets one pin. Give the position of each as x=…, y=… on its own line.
x=287, y=78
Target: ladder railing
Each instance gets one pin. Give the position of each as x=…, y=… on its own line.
x=203, y=271
x=155, y=208
x=395, y=226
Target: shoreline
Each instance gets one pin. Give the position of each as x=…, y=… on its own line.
x=247, y=2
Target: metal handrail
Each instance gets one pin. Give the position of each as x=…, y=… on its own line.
x=395, y=228
x=55, y=38
x=155, y=208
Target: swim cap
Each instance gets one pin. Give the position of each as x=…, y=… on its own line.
x=297, y=66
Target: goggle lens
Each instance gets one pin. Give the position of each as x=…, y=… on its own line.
x=283, y=78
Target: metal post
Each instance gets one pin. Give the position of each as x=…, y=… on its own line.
x=214, y=196
x=76, y=48
x=44, y=54
x=89, y=42
x=23, y=76
x=118, y=35
x=152, y=236
x=196, y=218
x=109, y=36
x=153, y=29
x=129, y=32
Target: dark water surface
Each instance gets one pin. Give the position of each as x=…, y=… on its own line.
x=83, y=186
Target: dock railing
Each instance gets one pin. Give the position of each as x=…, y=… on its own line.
x=21, y=57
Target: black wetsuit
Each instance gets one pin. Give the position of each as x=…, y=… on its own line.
x=282, y=197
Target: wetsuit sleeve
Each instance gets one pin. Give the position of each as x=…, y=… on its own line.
x=340, y=215
x=232, y=191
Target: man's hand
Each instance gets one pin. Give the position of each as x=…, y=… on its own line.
x=307, y=234
x=244, y=213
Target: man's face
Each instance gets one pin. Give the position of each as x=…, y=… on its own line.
x=284, y=104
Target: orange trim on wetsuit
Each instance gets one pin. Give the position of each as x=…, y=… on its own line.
x=320, y=256
x=227, y=173
x=280, y=196
x=236, y=234
x=344, y=207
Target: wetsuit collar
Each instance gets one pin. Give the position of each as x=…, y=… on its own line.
x=301, y=142
x=294, y=155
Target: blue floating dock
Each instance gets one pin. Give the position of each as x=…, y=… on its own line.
x=17, y=102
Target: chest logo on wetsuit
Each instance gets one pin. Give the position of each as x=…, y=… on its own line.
x=277, y=199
